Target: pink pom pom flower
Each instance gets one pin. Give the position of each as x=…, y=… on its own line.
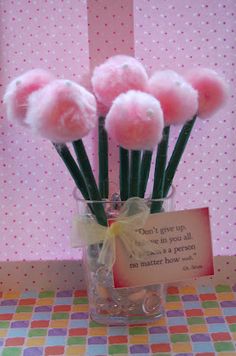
x=135, y=121
x=179, y=101
x=19, y=90
x=85, y=81
x=212, y=90
x=62, y=111
x=118, y=75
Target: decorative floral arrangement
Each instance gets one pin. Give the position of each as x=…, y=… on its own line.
x=135, y=110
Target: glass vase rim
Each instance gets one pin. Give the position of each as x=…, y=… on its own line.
x=169, y=196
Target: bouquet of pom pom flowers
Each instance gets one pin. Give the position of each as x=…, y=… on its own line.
x=134, y=110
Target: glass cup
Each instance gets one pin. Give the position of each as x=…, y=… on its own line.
x=119, y=306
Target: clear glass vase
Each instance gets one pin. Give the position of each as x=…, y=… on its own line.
x=119, y=306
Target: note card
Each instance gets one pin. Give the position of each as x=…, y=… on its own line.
x=182, y=249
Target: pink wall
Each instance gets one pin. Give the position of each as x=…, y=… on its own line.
x=36, y=200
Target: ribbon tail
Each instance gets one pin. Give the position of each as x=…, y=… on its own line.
x=107, y=254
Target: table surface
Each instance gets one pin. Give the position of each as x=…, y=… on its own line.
x=198, y=321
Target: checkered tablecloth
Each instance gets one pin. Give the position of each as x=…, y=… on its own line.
x=198, y=321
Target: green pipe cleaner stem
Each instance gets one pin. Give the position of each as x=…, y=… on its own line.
x=159, y=174
x=144, y=172
x=72, y=167
x=177, y=154
x=103, y=159
x=124, y=173
x=134, y=173
x=91, y=184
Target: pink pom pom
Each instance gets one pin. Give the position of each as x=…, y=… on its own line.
x=85, y=81
x=135, y=121
x=62, y=111
x=212, y=90
x=18, y=91
x=102, y=109
x=179, y=101
x=118, y=75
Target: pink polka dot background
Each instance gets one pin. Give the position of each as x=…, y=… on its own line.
x=36, y=190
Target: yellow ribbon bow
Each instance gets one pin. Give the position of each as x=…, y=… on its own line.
x=133, y=216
